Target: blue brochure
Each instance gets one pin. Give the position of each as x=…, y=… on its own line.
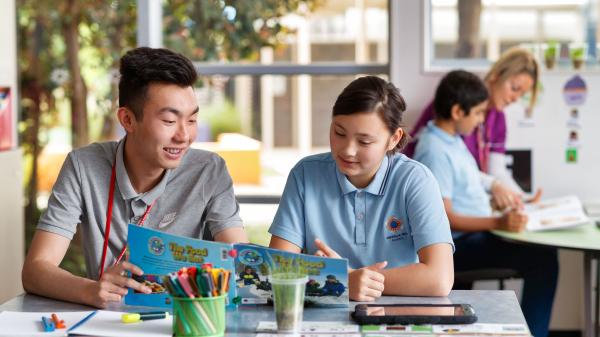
x=327, y=283
x=159, y=253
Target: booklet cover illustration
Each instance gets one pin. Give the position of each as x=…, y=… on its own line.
x=327, y=283
x=159, y=253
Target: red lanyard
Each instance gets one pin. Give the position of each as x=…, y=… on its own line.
x=111, y=193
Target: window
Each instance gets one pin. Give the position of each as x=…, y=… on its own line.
x=279, y=69
x=476, y=32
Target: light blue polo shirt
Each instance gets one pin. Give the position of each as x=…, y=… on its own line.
x=397, y=214
x=455, y=169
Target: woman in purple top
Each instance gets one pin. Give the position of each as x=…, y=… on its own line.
x=513, y=75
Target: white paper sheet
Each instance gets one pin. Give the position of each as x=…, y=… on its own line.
x=15, y=323
x=108, y=324
x=555, y=214
x=312, y=327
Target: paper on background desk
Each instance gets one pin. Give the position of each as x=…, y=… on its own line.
x=262, y=334
x=15, y=323
x=477, y=329
x=108, y=324
x=310, y=328
x=555, y=214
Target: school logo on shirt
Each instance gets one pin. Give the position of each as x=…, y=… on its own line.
x=167, y=220
x=394, y=228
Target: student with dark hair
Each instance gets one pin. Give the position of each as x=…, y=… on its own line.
x=460, y=103
x=513, y=75
x=366, y=202
x=151, y=177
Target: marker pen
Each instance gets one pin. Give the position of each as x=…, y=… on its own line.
x=143, y=316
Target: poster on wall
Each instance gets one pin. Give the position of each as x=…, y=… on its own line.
x=575, y=91
x=6, y=120
x=574, y=94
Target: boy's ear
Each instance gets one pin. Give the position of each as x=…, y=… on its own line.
x=127, y=119
x=395, y=139
x=456, y=112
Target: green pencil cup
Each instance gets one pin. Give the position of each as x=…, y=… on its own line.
x=199, y=317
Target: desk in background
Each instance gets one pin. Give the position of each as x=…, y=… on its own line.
x=584, y=238
x=491, y=306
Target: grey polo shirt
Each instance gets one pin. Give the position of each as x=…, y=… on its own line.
x=198, y=193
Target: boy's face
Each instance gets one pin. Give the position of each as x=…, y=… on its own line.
x=507, y=92
x=358, y=144
x=168, y=126
x=466, y=124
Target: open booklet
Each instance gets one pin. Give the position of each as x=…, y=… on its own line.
x=159, y=253
x=555, y=213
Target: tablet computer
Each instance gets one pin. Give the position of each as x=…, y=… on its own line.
x=414, y=314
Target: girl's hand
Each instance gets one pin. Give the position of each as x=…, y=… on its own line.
x=325, y=251
x=366, y=284
x=113, y=285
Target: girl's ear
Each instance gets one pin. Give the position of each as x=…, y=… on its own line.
x=127, y=119
x=395, y=139
x=456, y=112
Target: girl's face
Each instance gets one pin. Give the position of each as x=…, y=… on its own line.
x=358, y=144
x=507, y=92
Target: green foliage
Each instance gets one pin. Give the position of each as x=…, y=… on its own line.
x=227, y=30
x=551, y=50
x=221, y=117
x=577, y=53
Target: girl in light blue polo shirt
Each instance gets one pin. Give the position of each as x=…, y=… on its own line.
x=366, y=202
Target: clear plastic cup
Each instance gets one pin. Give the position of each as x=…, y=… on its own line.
x=288, y=300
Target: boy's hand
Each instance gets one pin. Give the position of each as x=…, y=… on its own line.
x=113, y=285
x=503, y=197
x=513, y=221
x=536, y=197
x=366, y=284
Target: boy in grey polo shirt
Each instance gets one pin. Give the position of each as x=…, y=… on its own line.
x=150, y=177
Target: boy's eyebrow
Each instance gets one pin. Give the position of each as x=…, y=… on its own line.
x=169, y=109
x=338, y=125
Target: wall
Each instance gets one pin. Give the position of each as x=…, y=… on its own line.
x=547, y=140
x=11, y=171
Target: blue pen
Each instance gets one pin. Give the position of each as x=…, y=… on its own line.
x=48, y=324
x=82, y=321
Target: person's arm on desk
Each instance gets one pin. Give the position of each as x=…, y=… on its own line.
x=512, y=220
x=42, y=275
x=433, y=275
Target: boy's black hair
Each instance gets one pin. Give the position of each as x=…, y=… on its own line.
x=142, y=66
x=373, y=94
x=458, y=87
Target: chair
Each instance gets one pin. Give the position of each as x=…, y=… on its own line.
x=463, y=280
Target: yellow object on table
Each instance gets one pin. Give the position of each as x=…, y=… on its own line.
x=241, y=154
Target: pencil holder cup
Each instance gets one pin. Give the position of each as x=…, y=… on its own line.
x=202, y=316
